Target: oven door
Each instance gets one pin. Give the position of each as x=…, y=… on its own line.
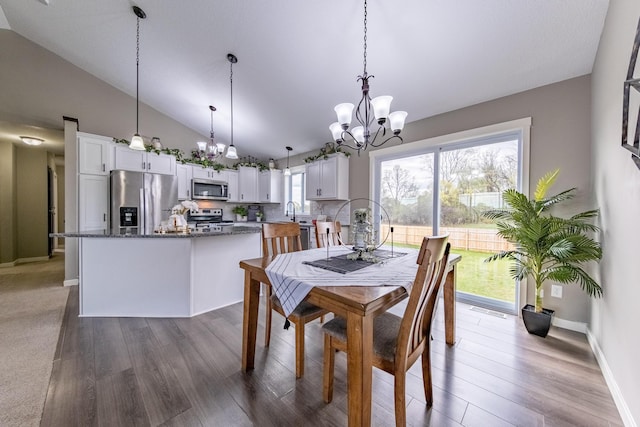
x=205, y=189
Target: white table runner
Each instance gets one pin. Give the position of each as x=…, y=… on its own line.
x=292, y=280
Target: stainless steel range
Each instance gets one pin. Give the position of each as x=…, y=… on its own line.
x=207, y=220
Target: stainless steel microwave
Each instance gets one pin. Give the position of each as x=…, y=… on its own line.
x=207, y=189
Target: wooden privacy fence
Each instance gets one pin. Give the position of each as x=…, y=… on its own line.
x=471, y=239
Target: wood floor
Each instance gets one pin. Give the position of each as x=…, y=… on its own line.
x=186, y=372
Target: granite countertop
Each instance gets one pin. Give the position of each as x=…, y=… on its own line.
x=226, y=231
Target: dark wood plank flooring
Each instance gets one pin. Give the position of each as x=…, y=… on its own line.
x=186, y=372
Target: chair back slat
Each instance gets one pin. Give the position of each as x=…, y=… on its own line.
x=332, y=238
x=416, y=322
x=280, y=238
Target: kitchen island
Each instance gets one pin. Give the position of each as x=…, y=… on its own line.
x=162, y=275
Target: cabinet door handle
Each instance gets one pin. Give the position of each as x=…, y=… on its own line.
x=103, y=167
x=188, y=197
x=104, y=217
x=144, y=165
x=149, y=166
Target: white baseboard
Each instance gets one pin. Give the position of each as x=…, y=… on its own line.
x=8, y=264
x=71, y=282
x=621, y=404
x=570, y=325
x=32, y=259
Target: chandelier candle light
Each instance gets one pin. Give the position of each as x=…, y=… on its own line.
x=359, y=138
x=136, y=142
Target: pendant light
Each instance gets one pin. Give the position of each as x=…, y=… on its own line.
x=287, y=171
x=136, y=142
x=231, y=151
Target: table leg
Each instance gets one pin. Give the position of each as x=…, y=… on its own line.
x=450, y=306
x=250, y=320
x=359, y=375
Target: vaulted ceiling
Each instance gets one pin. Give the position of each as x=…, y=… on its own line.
x=298, y=59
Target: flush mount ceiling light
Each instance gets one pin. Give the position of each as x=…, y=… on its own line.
x=359, y=138
x=211, y=150
x=136, y=142
x=30, y=140
x=287, y=171
x=231, y=151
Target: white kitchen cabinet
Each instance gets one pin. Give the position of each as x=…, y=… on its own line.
x=270, y=186
x=184, y=174
x=200, y=172
x=142, y=161
x=248, y=184
x=95, y=154
x=232, y=189
x=328, y=179
x=93, y=202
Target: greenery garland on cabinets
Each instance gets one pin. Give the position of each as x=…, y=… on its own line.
x=329, y=148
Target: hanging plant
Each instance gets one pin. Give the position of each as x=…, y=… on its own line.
x=252, y=164
x=329, y=148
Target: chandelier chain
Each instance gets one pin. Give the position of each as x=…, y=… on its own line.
x=365, y=37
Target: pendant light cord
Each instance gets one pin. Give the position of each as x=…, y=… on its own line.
x=231, y=80
x=137, y=72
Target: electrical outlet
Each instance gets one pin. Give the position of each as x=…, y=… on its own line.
x=556, y=291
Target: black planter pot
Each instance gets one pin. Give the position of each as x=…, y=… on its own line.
x=537, y=323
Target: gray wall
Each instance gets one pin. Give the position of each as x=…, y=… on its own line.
x=31, y=202
x=560, y=135
x=616, y=184
x=7, y=206
x=39, y=88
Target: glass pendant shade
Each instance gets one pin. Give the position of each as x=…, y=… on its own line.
x=381, y=106
x=202, y=146
x=358, y=134
x=287, y=171
x=137, y=143
x=220, y=146
x=336, y=131
x=232, y=153
x=344, y=112
x=396, y=120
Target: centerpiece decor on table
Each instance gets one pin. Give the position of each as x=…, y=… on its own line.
x=177, y=218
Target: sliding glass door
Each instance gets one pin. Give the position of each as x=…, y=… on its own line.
x=443, y=190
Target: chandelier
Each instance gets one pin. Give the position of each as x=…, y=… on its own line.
x=136, y=142
x=211, y=150
x=359, y=138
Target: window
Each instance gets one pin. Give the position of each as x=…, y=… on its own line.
x=294, y=191
x=442, y=185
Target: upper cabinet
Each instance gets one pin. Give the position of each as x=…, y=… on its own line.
x=233, y=189
x=270, y=186
x=142, y=161
x=95, y=154
x=201, y=172
x=328, y=179
x=247, y=184
x=184, y=174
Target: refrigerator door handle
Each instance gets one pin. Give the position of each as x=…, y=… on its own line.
x=143, y=210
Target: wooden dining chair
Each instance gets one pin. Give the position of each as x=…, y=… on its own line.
x=281, y=238
x=399, y=341
x=332, y=238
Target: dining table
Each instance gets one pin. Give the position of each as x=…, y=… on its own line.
x=358, y=304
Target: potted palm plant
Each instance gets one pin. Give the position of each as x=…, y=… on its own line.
x=547, y=247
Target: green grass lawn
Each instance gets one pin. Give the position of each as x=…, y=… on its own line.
x=486, y=279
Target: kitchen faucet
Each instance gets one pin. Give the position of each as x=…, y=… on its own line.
x=293, y=218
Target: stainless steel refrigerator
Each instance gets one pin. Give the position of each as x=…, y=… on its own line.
x=140, y=200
